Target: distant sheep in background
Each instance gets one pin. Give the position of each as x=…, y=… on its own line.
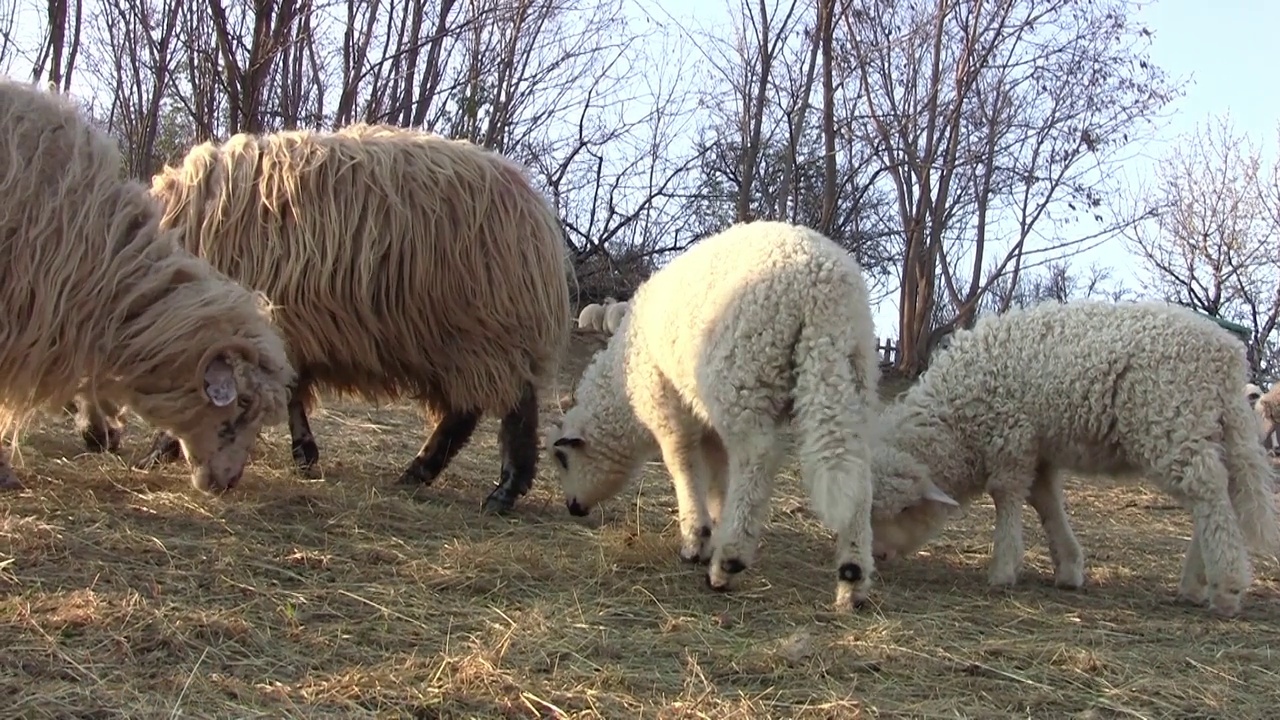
x=591, y=317
x=100, y=301
x=1123, y=389
x=405, y=264
x=1267, y=410
x=759, y=328
x=613, y=316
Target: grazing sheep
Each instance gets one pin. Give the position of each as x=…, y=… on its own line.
x=101, y=301
x=591, y=317
x=762, y=326
x=613, y=316
x=608, y=301
x=406, y=265
x=1122, y=389
x=1267, y=410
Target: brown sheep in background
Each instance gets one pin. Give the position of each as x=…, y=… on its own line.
x=98, y=299
x=403, y=264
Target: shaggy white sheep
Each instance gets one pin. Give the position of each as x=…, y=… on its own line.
x=613, y=316
x=763, y=325
x=1089, y=387
x=591, y=317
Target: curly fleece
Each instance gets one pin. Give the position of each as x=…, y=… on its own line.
x=1087, y=387
x=760, y=326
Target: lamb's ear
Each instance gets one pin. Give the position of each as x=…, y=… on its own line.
x=934, y=493
x=573, y=442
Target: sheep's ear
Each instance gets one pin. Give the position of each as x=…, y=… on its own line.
x=220, y=381
x=573, y=442
x=934, y=493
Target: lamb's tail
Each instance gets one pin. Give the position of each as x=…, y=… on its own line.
x=1251, y=482
x=834, y=397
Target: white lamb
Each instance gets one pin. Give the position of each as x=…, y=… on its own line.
x=761, y=326
x=1090, y=387
x=591, y=317
x=1267, y=410
x=613, y=315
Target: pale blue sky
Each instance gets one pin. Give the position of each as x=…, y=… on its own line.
x=1222, y=49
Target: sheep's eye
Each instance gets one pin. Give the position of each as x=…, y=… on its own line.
x=562, y=459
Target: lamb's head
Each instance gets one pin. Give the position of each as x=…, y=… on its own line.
x=1252, y=393
x=589, y=472
x=909, y=509
x=238, y=387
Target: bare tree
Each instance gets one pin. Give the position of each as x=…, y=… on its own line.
x=56, y=60
x=1212, y=246
x=995, y=122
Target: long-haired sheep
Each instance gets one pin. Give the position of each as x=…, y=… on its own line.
x=591, y=317
x=404, y=264
x=613, y=316
x=762, y=326
x=98, y=299
x=1088, y=387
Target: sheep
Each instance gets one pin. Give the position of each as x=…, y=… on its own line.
x=405, y=264
x=608, y=301
x=613, y=316
x=761, y=326
x=1267, y=410
x=591, y=317
x=1252, y=393
x=1123, y=389
x=104, y=303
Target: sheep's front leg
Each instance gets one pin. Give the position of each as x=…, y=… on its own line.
x=753, y=462
x=1068, y=558
x=684, y=460
x=1008, y=548
x=1193, y=587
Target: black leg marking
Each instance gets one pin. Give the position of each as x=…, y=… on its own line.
x=450, y=435
x=851, y=572
x=518, y=443
x=94, y=420
x=164, y=448
x=733, y=566
x=306, y=454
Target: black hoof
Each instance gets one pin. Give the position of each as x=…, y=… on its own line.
x=694, y=559
x=733, y=566
x=94, y=442
x=851, y=572
x=306, y=456
x=416, y=474
x=715, y=588
x=576, y=508
x=500, y=501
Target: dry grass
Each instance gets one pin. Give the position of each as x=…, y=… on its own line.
x=130, y=594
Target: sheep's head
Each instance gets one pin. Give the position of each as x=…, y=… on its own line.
x=239, y=387
x=909, y=509
x=589, y=474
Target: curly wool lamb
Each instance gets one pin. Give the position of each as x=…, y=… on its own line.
x=404, y=264
x=613, y=316
x=762, y=326
x=591, y=317
x=1087, y=387
x=99, y=300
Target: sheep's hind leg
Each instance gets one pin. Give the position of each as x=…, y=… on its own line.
x=164, y=448
x=451, y=434
x=754, y=458
x=1068, y=558
x=306, y=454
x=518, y=444
x=8, y=478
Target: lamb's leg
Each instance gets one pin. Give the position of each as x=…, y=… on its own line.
x=8, y=478
x=451, y=434
x=1193, y=586
x=94, y=422
x=306, y=454
x=753, y=462
x=518, y=445
x=1201, y=480
x=1068, y=558
x=164, y=448
x=683, y=456
x=716, y=460
x=1008, y=549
